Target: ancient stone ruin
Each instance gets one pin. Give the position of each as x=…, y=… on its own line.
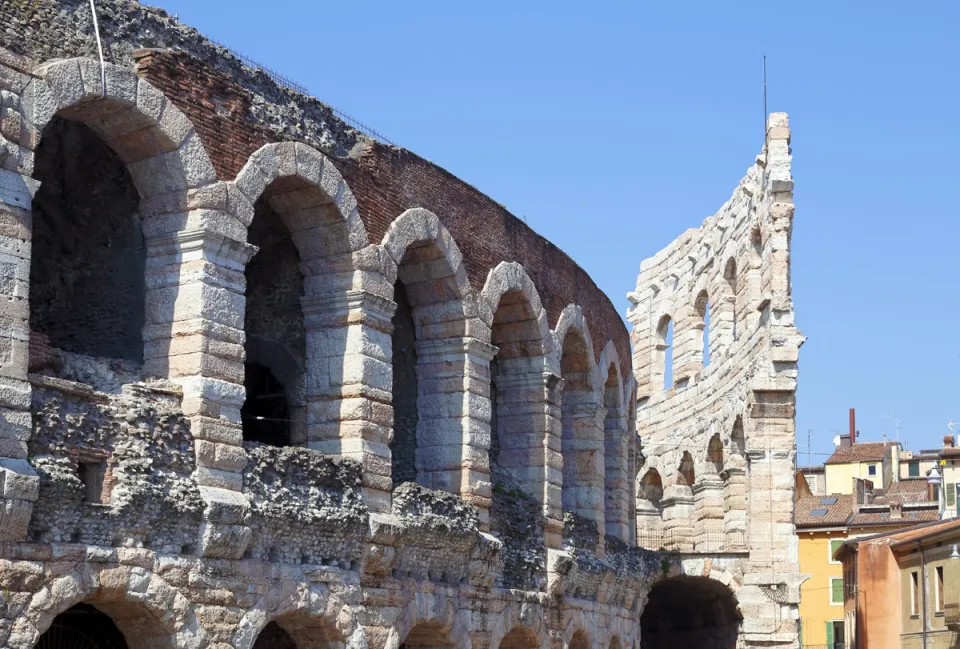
x=267, y=382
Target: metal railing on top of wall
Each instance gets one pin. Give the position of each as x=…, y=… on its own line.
x=290, y=84
x=702, y=542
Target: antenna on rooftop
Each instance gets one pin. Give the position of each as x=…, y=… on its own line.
x=765, y=97
x=896, y=426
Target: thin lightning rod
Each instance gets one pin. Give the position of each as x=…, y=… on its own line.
x=764, y=97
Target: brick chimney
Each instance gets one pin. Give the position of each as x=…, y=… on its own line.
x=948, y=441
x=896, y=510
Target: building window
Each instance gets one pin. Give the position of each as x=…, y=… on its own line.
x=913, y=470
x=836, y=590
x=834, y=546
x=938, y=578
x=914, y=593
x=872, y=469
x=951, y=494
x=834, y=634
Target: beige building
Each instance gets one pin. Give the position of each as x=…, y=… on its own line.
x=873, y=461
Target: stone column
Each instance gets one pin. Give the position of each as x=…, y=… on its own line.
x=453, y=427
x=649, y=524
x=678, y=512
x=584, y=463
x=616, y=479
x=193, y=335
x=735, y=506
x=528, y=413
x=350, y=383
x=19, y=483
x=708, y=501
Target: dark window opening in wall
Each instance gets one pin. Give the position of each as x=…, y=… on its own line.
x=403, y=448
x=690, y=612
x=913, y=470
x=92, y=474
x=273, y=636
x=938, y=572
x=274, y=412
x=265, y=415
x=88, y=255
x=702, y=307
x=715, y=453
x=730, y=275
x=872, y=469
x=82, y=627
x=665, y=350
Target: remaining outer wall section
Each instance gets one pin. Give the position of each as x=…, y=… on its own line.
x=752, y=376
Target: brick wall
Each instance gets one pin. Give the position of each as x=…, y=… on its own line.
x=386, y=181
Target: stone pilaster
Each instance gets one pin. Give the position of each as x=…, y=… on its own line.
x=616, y=479
x=528, y=413
x=584, y=463
x=735, y=506
x=708, y=504
x=350, y=383
x=678, y=517
x=19, y=483
x=453, y=428
x=194, y=336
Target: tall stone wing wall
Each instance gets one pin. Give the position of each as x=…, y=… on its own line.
x=716, y=425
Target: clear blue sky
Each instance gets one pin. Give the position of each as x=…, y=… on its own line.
x=612, y=127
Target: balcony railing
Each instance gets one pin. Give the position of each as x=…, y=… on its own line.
x=951, y=615
x=703, y=542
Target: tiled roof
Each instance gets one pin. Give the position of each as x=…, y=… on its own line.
x=950, y=452
x=910, y=516
x=910, y=490
x=863, y=452
x=816, y=511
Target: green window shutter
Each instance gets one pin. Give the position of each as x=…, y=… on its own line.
x=951, y=494
x=836, y=590
x=834, y=544
x=829, y=634
x=914, y=469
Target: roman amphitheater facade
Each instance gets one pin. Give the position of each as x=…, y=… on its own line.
x=268, y=382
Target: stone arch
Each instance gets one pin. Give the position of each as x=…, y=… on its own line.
x=579, y=630
x=690, y=611
x=153, y=615
x=433, y=620
x=306, y=615
x=520, y=626
x=524, y=376
x=160, y=153
x=302, y=217
x=735, y=476
x=686, y=474
x=701, y=342
x=664, y=359
x=433, y=350
x=650, y=492
x=728, y=308
x=581, y=435
x=616, y=441
x=709, y=498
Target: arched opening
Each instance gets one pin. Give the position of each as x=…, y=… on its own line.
x=579, y=640
x=685, y=471
x=403, y=448
x=427, y=444
x=615, y=457
x=88, y=256
x=109, y=625
x=730, y=278
x=580, y=439
x=663, y=366
x=715, y=453
x=615, y=643
x=690, y=612
x=303, y=630
x=650, y=510
x=82, y=627
x=275, y=371
x=274, y=637
x=520, y=637
x=735, y=493
x=702, y=307
x=426, y=635
x=737, y=439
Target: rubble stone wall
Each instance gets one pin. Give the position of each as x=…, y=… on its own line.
x=717, y=438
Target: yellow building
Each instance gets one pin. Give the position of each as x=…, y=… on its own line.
x=873, y=461
x=826, y=522
x=950, y=470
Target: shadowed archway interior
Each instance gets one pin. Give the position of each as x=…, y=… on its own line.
x=693, y=612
